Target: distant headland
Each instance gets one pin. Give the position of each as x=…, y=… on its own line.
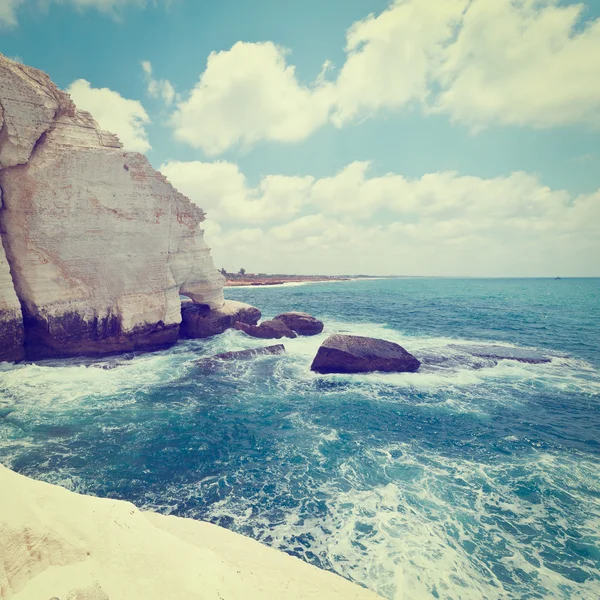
x=242, y=278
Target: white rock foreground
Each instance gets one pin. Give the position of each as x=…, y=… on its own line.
x=58, y=544
x=99, y=245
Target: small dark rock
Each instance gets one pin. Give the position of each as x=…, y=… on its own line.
x=357, y=354
x=301, y=323
x=270, y=330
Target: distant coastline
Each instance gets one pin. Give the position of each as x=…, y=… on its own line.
x=239, y=280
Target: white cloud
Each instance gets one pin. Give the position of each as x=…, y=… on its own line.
x=8, y=12
x=521, y=62
x=114, y=113
x=158, y=88
x=223, y=192
x=246, y=94
x=390, y=57
x=354, y=222
x=8, y=8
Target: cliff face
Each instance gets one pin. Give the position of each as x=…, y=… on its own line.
x=11, y=319
x=99, y=244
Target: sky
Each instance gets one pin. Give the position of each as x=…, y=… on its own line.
x=411, y=137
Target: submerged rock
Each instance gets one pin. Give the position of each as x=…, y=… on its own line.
x=503, y=353
x=244, y=354
x=301, y=323
x=99, y=245
x=200, y=321
x=454, y=361
x=356, y=354
x=268, y=330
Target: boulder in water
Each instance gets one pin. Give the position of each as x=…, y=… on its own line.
x=356, y=354
x=270, y=330
x=200, y=321
x=301, y=323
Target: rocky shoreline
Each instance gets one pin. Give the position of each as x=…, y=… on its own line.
x=242, y=281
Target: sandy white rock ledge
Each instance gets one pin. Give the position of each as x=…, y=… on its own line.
x=58, y=544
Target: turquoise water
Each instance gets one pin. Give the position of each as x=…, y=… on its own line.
x=465, y=480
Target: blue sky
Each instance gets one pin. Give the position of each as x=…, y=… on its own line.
x=502, y=95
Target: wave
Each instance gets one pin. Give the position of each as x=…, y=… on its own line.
x=443, y=483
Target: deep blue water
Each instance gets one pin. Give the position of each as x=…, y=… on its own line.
x=465, y=480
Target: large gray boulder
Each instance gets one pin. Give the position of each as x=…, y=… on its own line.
x=301, y=323
x=357, y=354
x=200, y=321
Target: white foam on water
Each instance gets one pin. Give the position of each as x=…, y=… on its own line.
x=428, y=529
x=70, y=384
x=442, y=527
x=563, y=373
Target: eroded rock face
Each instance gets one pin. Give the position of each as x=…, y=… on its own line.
x=301, y=323
x=200, y=321
x=357, y=354
x=267, y=330
x=11, y=319
x=100, y=245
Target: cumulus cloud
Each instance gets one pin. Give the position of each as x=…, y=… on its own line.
x=523, y=63
x=158, y=88
x=354, y=222
x=520, y=62
x=390, y=57
x=250, y=93
x=223, y=191
x=113, y=113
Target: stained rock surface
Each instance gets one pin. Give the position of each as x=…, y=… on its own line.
x=99, y=244
x=270, y=329
x=301, y=323
x=200, y=321
x=11, y=318
x=356, y=354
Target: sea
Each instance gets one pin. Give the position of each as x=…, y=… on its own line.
x=470, y=479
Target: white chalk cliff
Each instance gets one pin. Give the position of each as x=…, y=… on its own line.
x=58, y=544
x=97, y=245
